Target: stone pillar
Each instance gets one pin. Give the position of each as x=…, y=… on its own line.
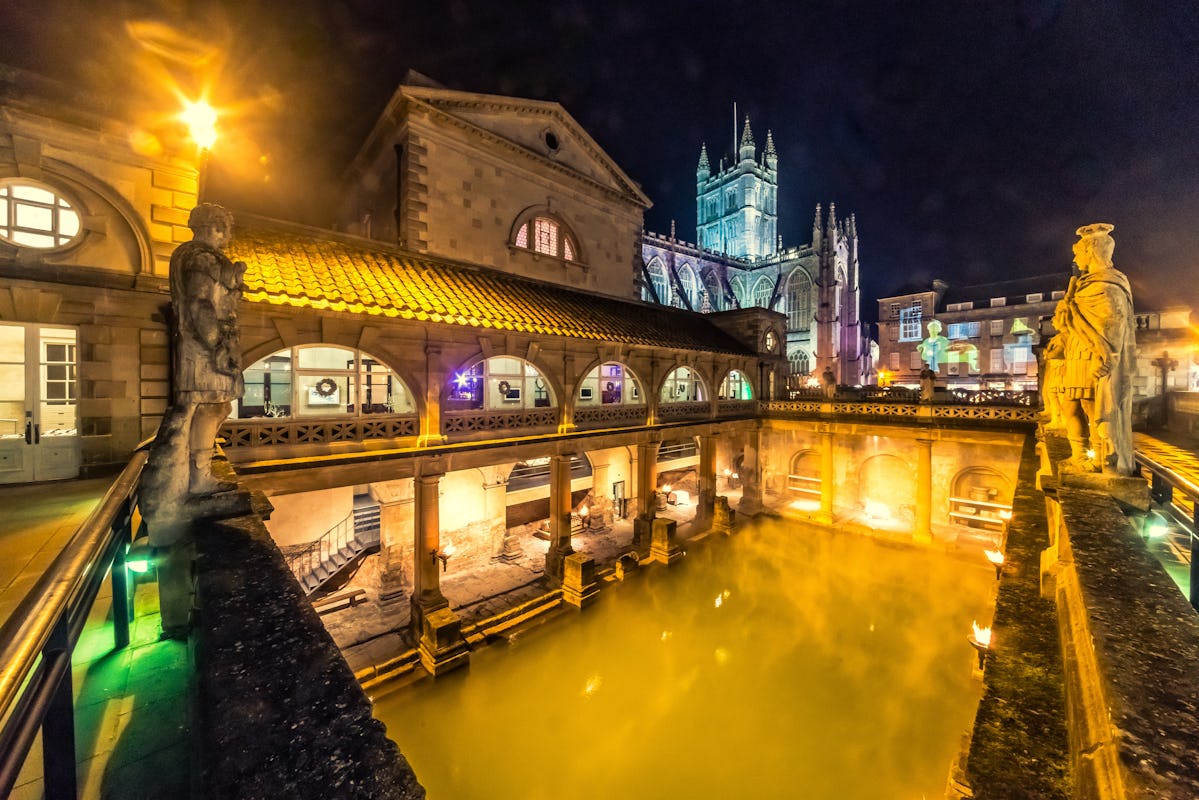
x=646, y=491
x=664, y=546
x=707, y=482
x=495, y=514
x=436, y=628
x=603, y=515
x=560, y=546
x=570, y=395
x=579, y=586
x=924, y=491
x=751, y=473
x=828, y=475
x=396, y=506
x=430, y=419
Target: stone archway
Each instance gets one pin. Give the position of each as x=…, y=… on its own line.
x=884, y=481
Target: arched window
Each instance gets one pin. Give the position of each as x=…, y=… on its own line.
x=657, y=277
x=735, y=386
x=32, y=215
x=609, y=384
x=763, y=291
x=690, y=287
x=738, y=284
x=799, y=301
x=800, y=362
x=322, y=380
x=499, y=383
x=546, y=235
x=683, y=385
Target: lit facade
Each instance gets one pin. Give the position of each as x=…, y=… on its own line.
x=988, y=332
x=738, y=261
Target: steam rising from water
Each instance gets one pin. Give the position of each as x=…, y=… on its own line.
x=785, y=662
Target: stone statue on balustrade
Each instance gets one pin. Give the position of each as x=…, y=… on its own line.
x=928, y=385
x=206, y=289
x=829, y=381
x=1052, y=372
x=1100, y=341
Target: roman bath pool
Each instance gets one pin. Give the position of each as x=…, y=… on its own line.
x=782, y=662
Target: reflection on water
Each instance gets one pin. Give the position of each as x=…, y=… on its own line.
x=784, y=662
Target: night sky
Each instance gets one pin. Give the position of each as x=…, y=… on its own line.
x=970, y=137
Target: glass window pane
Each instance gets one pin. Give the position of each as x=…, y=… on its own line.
x=522, y=236
x=323, y=396
x=27, y=192
x=33, y=239
x=68, y=222
x=326, y=358
x=35, y=217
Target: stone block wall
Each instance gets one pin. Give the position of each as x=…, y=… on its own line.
x=281, y=714
x=1131, y=649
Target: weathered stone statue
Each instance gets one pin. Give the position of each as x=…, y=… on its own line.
x=828, y=379
x=1100, y=346
x=1053, y=370
x=178, y=485
x=928, y=385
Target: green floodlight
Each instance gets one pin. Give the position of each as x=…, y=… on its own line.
x=140, y=557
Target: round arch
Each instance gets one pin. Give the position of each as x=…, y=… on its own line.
x=980, y=483
x=683, y=383
x=501, y=383
x=323, y=379
x=736, y=384
x=556, y=239
x=607, y=383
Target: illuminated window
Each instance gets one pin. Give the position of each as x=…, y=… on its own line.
x=499, y=383
x=322, y=380
x=735, y=386
x=909, y=324
x=963, y=330
x=546, y=236
x=657, y=277
x=683, y=385
x=34, y=216
x=688, y=282
x=763, y=292
x=799, y=301
x=609, y=384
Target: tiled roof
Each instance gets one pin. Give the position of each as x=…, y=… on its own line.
x=308, y=268
x=1015, y=287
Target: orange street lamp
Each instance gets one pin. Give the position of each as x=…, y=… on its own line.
x=200, y=119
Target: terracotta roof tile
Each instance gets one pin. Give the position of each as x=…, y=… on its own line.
x=305, y=268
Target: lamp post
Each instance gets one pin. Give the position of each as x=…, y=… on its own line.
x=1165, y=364
x=200, y=118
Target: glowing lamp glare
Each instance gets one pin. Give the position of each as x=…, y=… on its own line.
x=200, y=119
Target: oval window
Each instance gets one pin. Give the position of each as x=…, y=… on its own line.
x=34, y=216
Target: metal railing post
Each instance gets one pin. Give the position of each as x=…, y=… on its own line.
x=58, y=726
x=121, y=611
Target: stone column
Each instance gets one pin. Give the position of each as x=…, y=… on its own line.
x=924, y=490
x=560, y=546
x=569, y=395
x=396, y=506
x=436, y=628
x=602, y=515
x=430, y=421
x=751, y=473
x=828, y=474
x=495, y=514
x=707, y=481
x=646, y=494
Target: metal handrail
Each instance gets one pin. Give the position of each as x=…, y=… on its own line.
x=37, y=640
x=318, y=551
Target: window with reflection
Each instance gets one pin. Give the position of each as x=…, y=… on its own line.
x=735, y=386
x=683, y=385
x=609, y=384
x=499, y=383
x=657, y=277
x=547, y=236
x=32, y=215
x=322, y=380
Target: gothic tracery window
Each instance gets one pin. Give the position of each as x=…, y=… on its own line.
x=799, y=301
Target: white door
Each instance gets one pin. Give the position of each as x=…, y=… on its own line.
x=39, y=436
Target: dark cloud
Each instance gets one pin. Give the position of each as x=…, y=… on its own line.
x=970, y=138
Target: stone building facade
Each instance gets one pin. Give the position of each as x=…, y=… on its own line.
x=738, y=261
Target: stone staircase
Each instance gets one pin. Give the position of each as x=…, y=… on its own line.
x=338, y=549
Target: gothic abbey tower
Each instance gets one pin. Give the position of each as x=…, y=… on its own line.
x=738, y=260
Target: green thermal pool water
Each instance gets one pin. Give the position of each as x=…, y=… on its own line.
x=784, y=662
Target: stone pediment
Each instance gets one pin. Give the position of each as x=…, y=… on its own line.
x=542, y=129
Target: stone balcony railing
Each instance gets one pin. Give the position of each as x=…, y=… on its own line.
x=676, y=411
x=268, y=431
x=610, y=416
x=1018, y=414
x=479, y=421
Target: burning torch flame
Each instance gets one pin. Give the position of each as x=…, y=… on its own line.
x=994, y=556
x=982, y=635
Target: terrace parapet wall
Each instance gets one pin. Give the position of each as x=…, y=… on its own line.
x=280, y=712
x=1130, y=642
